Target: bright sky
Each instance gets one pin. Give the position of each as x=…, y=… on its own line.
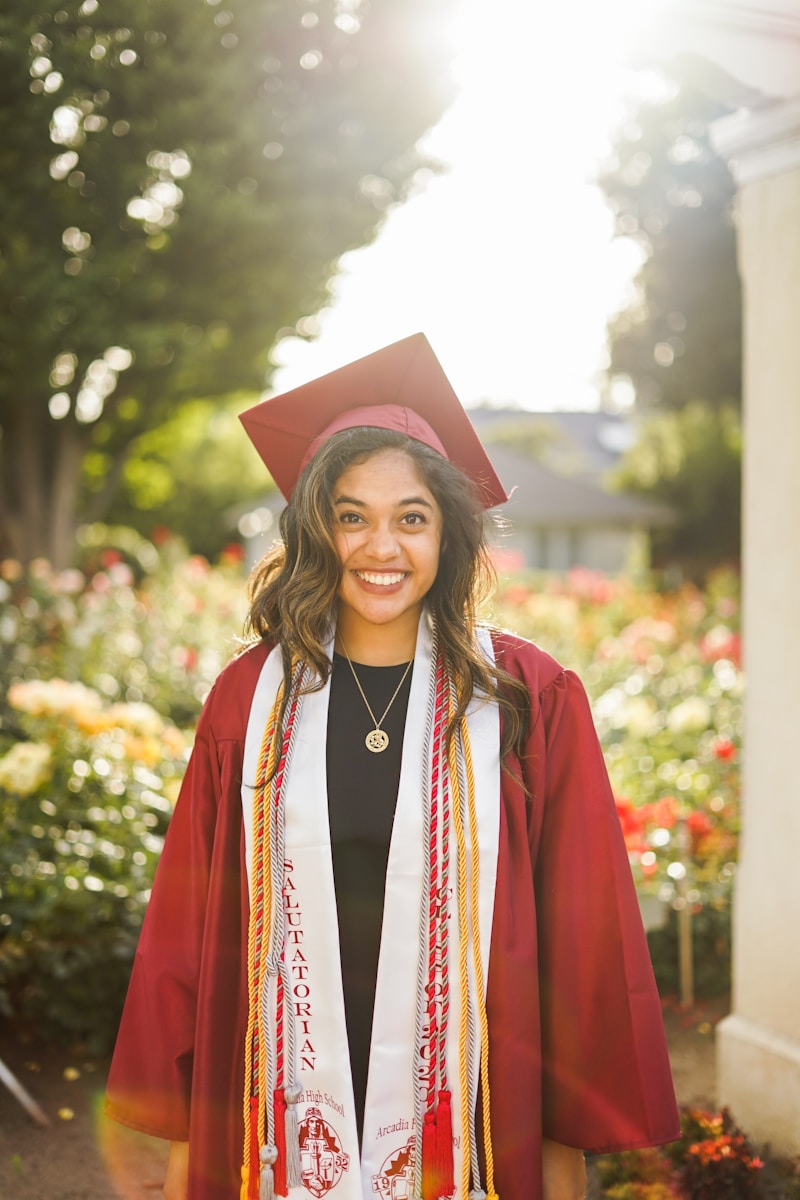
x=506, y=260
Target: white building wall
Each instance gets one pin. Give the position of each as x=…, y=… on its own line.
x=610, y=550
x=759, y=1044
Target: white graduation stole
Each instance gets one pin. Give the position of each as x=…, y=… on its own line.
x=329, y=1151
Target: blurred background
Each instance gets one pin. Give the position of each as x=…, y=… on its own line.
x=243, y=198
x=204, y=201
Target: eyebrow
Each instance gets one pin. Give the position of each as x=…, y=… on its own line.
x=410, y=500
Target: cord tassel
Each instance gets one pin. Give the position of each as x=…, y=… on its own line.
x=293, y=1165
x=279, y=1170
x=250, y=1169
x=430, y=1173
x=266, y=1183
x=444, y=1145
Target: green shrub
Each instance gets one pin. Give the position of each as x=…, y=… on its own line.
x=713, y=1160
x=663, y=673
x=632, y=1167
x=89, y=768
x=160, y=638
x=719, y=1163
x=84, y=804
x=640, y=1191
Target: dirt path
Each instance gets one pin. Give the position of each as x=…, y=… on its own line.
x=84, y=1156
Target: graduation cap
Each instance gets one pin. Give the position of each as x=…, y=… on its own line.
x=401, y=387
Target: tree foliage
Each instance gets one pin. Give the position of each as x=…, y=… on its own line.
x=691, y=462
x=178, y=179
x=679, y=342
x=680, y=339
x=193, y=475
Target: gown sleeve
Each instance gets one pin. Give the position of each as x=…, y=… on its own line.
x=150, y=1079
x=606, y=1080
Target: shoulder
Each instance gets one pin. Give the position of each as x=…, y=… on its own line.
x=245, y=666
x=227, y=707
x=525, y=661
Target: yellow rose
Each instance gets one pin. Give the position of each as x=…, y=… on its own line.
x=25, y=767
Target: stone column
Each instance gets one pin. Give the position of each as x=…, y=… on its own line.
x=758, y=1045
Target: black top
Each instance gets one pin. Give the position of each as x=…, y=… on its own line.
x=362, y=794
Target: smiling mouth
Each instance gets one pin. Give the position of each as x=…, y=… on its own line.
x=382, y=578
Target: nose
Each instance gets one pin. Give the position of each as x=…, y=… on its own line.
x=383, y=545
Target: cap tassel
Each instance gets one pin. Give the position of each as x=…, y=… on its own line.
x=444, y=1145
x=266, y=1182
x=294, y=1176
x=430, y=1171
x=279, y=1171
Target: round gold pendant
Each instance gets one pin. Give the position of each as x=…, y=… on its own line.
x=376, y=740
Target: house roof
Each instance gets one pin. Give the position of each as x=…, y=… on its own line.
x=582, y=444
x=560, y=480
x=539, y=496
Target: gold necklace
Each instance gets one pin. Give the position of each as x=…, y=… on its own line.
x=377, y=739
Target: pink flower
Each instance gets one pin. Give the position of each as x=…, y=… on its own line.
x=507, y=561
x=721, y=642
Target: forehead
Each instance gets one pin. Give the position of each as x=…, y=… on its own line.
x=385, y=471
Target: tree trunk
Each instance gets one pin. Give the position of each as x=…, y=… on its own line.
x=39, y=488
x=64, y=494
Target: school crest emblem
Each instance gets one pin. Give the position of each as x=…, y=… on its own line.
x=322, y=1160
x=395, y=1179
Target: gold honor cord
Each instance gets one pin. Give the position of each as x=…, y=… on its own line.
x=260, y=860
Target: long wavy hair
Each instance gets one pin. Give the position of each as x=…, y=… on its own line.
x=293, y=590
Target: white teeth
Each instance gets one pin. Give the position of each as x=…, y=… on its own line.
x=383, y=579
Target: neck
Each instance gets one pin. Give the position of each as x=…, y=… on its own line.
x=377, y=645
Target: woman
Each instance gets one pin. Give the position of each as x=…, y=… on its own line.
x=393, y=945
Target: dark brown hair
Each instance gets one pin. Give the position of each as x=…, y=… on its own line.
x=293, y=590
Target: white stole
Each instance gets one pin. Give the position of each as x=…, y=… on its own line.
x=328, y=1135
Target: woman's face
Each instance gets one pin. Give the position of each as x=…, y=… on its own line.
x=387, y=527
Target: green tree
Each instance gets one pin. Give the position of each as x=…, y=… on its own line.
x=690, y=461
x=194, y=474
x=177, y=181
x=680, y=338
x=679, y=341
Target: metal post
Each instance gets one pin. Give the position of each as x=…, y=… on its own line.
x=18, y=1092
x=685, y=949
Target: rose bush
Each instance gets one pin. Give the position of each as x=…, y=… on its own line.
x=712, y=1160
x=84, y=804
x=99, y=670
x=140, y=624
x=102, y=675
x=663, y=673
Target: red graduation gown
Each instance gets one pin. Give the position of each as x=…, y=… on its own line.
x=577, y=1047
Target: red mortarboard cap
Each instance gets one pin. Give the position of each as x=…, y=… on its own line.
x=400, y=387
